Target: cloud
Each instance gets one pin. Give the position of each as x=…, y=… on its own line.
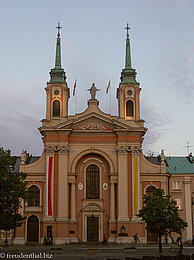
x=20, y=131
x=175, y=75
x=157, y=122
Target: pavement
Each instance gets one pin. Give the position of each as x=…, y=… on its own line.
x=88, y=252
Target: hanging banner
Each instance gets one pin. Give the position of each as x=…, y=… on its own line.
x=49, y=186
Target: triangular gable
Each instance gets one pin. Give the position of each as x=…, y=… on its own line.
x=93, y=121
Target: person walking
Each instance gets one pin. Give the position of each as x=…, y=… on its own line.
x=104, y=240
x=180, y=245
x=135, y=237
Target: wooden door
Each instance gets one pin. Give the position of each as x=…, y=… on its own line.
x=32, y=229
x=92, y=229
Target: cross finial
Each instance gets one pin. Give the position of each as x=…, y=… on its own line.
x=58, y=27
x=127, y=28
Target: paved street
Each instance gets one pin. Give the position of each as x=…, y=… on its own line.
x=74, y=252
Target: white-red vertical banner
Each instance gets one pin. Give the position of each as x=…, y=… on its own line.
x=49, y=177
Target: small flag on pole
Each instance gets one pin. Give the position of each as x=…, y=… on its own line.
x=74, y=88
x=108, y=87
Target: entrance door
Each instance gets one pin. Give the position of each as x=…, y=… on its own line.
x=92, y=229
x=32, y=229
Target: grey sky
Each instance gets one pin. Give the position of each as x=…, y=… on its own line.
x=93, y=50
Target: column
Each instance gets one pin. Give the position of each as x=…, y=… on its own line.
x=73, y=219
x=188, y=216
x=112, y=202
x=62, y=183
x=135, y=182
x=122, y=184
x=48, y=213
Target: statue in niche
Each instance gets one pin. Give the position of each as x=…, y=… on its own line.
x=93, y=90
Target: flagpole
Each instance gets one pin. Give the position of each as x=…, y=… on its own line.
x=76, y=101
x=75, y=95
x=110, y=100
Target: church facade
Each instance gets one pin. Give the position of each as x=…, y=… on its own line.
x=92, y=175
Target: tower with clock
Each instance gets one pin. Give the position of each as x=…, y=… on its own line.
x=128, y=93
x=57, y=91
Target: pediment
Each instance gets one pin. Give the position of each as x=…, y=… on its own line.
x=93, y=122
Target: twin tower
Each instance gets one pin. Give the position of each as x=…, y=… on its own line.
x=128, y=93
x=91, y=176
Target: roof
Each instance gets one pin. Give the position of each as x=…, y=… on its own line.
x=175, y=165
x=29, y=160
x=179, y=165
x=154, y=159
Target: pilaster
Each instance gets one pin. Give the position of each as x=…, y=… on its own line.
x=73, y=218
x=62, y=183
x=48, y=104
x=122, y=184
x=188, y=213
x=135, y=181
x=112, y=201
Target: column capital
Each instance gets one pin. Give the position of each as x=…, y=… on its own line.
x=123, y=149
x=135, y=150
x=63, y=149
x=50, y=150
x=187, y=180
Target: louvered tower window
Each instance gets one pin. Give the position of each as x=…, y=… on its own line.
x=129, y=108
x=35, y=196
x=56, y=108
x=92, y=182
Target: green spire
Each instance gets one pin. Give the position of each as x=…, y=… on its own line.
x=128, y=74
x=57, y=74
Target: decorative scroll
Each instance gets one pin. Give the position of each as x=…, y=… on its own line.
x=123, y=149
x=136, y=150
x=93, y=207
x=92, y=126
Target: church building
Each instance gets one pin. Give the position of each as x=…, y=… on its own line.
x=92, y=175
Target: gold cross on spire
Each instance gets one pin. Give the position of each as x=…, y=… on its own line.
x=127, y=28
x=58, y=27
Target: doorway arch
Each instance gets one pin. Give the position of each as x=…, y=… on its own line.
x=151, y=236
x=32, y=229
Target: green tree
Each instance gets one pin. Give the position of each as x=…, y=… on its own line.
x=175, y=222
x=160, y=213
x=12, y=191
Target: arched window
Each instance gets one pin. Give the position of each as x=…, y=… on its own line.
x=129, y=108
x=150, y=190
x=35, y=196
x=56, y=108
x=92, y=182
